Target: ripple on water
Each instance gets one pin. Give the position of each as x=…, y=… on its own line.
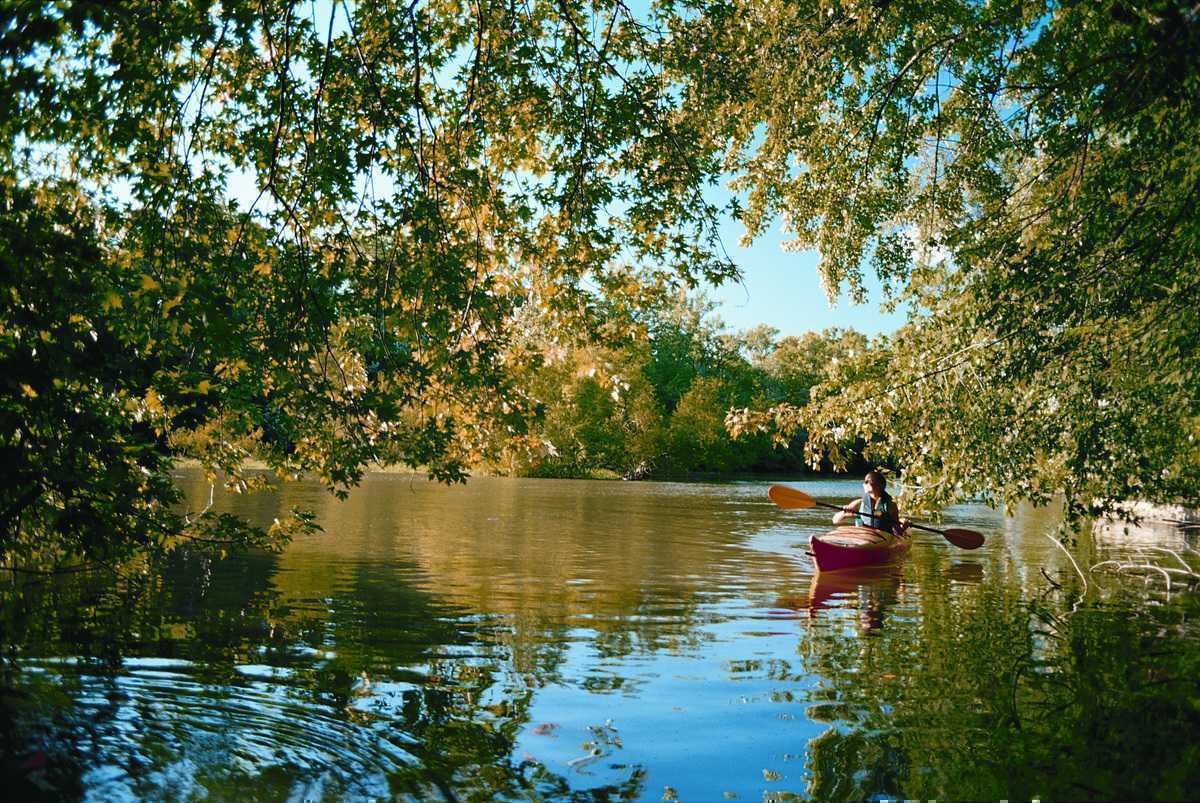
x=157, y=729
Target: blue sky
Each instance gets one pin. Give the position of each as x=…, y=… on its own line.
x=782, y=289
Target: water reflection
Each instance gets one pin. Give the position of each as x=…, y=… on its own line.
x=866, y=592
x=871, y=590
x=965, y=572
x=552, y=639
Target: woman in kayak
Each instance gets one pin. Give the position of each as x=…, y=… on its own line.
x=875, y=509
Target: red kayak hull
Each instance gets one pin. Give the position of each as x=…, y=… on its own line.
x=851, y=547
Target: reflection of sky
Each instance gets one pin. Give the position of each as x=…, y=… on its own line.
x=693, y=721
x=669, y=631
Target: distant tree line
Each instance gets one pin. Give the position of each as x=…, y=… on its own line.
x=656, y=406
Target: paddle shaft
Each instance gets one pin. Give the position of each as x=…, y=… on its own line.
x=874, y=516
x=871, y=515
x=791, y=498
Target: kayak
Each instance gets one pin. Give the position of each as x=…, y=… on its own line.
x=848, y=547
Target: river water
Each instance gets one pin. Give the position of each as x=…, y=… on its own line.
x=545, y=639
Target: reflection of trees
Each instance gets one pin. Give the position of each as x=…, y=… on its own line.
x=896, y=696
x=1118, y=684
x=375, y=661
x=983, y=695
x=538, y=554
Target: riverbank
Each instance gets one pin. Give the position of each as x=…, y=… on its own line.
x=1155, y=512
x=189, y=464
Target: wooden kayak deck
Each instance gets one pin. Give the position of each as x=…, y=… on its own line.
x=848, y=547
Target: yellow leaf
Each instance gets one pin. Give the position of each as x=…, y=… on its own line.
x=150, y=283
x=203, y=386
x=28, y=391
x=231, y=370
x=112, y=301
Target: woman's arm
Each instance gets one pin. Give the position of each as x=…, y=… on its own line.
x=848, y=510
x=899, y=526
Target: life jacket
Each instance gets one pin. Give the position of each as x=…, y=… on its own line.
x=887, y=510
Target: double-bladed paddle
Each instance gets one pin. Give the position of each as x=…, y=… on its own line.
x=791, y=499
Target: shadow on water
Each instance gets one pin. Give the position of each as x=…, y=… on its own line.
x=576, y=640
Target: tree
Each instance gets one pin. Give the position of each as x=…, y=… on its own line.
x=697, y=438
x=758, y=342
x=1024, y=176
x=599, y=414
x=799, y=363
x=300, y=233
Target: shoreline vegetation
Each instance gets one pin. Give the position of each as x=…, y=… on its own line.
x=654, y=408
x=766, y=476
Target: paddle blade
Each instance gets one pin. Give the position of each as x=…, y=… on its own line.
x=789, y=498
x=967, y=539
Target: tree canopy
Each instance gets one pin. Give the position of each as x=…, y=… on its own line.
x=1023, y=177
x=300, y=232
x=309, y=233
